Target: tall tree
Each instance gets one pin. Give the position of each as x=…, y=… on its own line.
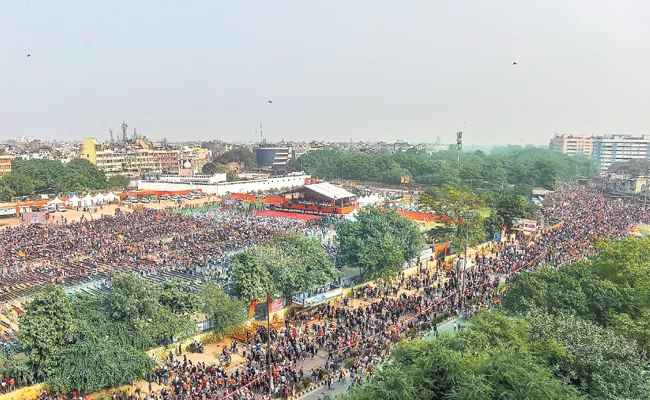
x=288, y=264
x=225, y=311
x=376, y=230
x=238, y=154
x=20, y=184
x=45, y=329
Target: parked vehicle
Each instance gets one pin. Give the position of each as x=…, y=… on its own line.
x=61, y=208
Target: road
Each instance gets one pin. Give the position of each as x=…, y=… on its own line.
x=341, y=387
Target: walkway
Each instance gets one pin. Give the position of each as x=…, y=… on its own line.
x=342, y=387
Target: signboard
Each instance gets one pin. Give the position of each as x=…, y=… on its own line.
x=309, y=301
x=426, y=253
x=34, y=217
x=526, y=225
x=405, y=179
x=277, y=305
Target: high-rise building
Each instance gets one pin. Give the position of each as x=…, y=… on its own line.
x=106, y=160
x=614, y=148
x=130, y=160
x=569, y=143
x=5, y=165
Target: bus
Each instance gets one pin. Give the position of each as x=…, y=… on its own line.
x=7, y=211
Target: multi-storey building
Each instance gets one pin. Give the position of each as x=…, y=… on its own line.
x=137, y=162
x=614, y=148
x=166, y=161
x=129, y=159
x=107, y=160
x=5, y=165
x=568, y=143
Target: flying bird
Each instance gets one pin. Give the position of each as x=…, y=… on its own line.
x=270, y=102
x=514, y=63
x=29, y=55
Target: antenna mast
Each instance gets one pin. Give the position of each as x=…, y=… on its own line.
x=459, y=145
x=125, y=137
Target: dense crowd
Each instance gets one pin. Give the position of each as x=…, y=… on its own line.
x=354, y=339
x=145, y=241
x=351, y=336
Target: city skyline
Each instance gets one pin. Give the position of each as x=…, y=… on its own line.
x=379, y=71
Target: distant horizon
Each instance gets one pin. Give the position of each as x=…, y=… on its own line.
x=507, y=72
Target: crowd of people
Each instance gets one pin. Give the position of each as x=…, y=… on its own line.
x=145, y=241
x=337, y=341
x=353, y=339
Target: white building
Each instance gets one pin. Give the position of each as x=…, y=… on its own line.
x=220, y=188
x=614, y=148
x=571, y=144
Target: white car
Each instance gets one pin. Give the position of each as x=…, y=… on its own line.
x=61, y=209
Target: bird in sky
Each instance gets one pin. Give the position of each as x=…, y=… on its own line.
x=514, y=63
x=270, y=102
x=29, y=55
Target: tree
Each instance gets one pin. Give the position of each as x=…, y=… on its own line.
x=91, y=365
x=493, y=358
x=176, y=296
x=52, y=175
x=493, y=224
x=371, y=243
x=6, y=193
x=287, y=264
x=225, y=311
x=231, y=176
x=239, y=155
x=20, y=184
x=134, y=300
x=612, y=290
x=119, y=182
x=600, y=363
x=212, y=169
x=251, y=277
x=454, y=203
x=510, y=207
x=45, y=329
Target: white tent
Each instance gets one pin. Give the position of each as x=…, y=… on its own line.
x=88, y=200
x=99, y=198
x=74, y=201
x=110, y=197
x=56, y=201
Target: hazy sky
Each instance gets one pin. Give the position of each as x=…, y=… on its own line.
x=334, y=70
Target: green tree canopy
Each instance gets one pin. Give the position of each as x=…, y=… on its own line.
x=19, y=184
x=378, y=242
x=45, y=329
x=212, y=168
x=238, y=154
x=521, y=168
x=613, y=290
x=224, y=311
x=287, y=264
x=493, y=359
x=54, y=176
x=118, y=182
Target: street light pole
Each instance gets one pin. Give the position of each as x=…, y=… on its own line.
x=462, y=293
x=268, y=341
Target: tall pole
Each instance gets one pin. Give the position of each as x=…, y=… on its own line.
x=268, y=341
x=459, y=146
x=462, y=294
